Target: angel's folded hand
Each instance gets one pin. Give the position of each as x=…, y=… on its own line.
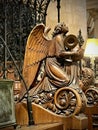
x=66, y=53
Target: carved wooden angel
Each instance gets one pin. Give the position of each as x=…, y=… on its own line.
x=38, y=49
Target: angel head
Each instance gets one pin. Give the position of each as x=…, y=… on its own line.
x=60, y=28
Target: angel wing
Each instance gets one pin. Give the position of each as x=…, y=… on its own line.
x=37, y=49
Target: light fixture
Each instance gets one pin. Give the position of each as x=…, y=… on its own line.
x=91, y=49
x=91, y=53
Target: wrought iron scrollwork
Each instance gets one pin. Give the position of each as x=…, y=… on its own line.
x=40, y=10
x=17, y=18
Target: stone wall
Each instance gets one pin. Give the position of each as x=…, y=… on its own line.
x=72, y=12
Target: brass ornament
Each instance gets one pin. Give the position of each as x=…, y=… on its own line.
x=70, y=41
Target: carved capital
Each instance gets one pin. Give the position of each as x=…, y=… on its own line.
x=93, y=13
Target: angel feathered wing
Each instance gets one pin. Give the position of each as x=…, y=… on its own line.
x=37, y=48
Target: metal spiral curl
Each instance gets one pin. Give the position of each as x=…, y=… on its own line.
x=92, y=95
x=69, y=100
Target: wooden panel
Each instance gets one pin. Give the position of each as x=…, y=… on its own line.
x=89, y=111
x=21, y=114
x=42, y=116
x=53, y=126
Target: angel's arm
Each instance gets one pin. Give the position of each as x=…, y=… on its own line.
x=60, y=50
x=78, y=53
x=66, y=53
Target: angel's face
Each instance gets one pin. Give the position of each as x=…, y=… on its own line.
x=64, y=28
x=61, y=28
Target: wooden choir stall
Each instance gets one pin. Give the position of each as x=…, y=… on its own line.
x=55, y=92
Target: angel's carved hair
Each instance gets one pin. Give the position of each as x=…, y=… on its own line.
x=60, y=28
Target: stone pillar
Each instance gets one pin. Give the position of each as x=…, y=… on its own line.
x=96, y=23
x=92, y=8
x=94, y=14
x=72, y=13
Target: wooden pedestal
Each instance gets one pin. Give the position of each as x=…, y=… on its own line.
x=42, y=116
x=92, y=112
